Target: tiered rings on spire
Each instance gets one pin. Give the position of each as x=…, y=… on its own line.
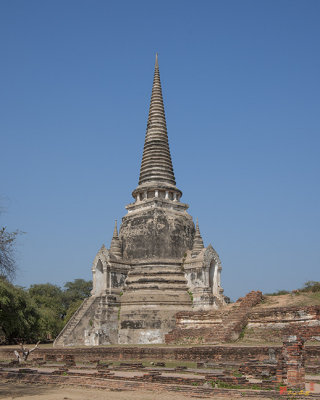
x=157, y=179
x=156, y=163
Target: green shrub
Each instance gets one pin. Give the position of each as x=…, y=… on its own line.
x=311, y=286
x=278, y=293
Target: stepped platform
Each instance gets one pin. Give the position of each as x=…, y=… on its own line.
x=154, y=293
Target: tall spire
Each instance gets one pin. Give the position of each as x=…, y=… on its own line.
x=156, y=165
x=197, y=242
x=115, y=246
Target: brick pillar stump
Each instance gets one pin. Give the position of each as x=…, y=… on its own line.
x=293, y=353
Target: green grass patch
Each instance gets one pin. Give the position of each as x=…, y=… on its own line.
x=225, y=385
x=243, y=332
x=191, y=295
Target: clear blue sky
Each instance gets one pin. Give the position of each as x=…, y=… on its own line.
x=241, y=89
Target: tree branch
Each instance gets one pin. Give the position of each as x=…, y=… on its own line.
x=35, y=347
x=25, y=352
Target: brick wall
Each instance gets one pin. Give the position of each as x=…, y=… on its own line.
x=291, y=361
x=183, y=353
x=215, y=326
x=271, y=324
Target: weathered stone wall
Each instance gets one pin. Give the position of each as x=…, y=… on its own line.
x=94, y=323
x=104, y=329
x=271, y=324
x=156, y=233
x=117, y=279
x=152, y=296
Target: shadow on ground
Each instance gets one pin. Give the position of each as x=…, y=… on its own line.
x=12, y=391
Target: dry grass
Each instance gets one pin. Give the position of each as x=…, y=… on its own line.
x=291, y=299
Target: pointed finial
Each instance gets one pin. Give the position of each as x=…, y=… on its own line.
x=197, y=242
x=157, y=64
x=115, y=246
x=115, y=231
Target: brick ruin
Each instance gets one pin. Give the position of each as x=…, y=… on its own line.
x=213, y=326
x=242, y=319
x=272, y=324
x=234, y=354
x=291, y=363
x=216, y=370
x=220, y=370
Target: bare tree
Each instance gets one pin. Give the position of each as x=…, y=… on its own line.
x=7, y=259
x=24, y=353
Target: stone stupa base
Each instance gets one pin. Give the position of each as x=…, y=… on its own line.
x=153, y=295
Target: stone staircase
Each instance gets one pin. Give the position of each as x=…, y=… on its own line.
x=216, y=326
x=60, y=340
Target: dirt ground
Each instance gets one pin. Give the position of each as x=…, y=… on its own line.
x=9, y=391
x=291, y=299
